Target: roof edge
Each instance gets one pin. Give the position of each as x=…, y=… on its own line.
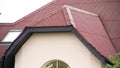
x=36, y=11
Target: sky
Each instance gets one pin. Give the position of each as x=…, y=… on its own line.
x=13, y=10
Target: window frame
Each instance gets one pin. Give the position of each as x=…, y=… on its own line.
x=5, y=39
x=54, y=60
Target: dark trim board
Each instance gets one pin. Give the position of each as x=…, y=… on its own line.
x=9, y=56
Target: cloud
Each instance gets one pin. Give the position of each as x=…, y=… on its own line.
x=12, y=10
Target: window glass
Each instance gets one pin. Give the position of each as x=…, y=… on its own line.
x=12, y=35
x=56, y=64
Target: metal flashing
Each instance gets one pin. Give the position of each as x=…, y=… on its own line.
x=70, y=16
x=80, y=10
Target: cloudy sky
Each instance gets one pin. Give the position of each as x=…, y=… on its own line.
x=12, y=10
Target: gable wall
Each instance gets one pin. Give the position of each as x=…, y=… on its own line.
x=43, y=47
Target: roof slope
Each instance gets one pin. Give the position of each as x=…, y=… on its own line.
x=91, y=28
x=97, y=32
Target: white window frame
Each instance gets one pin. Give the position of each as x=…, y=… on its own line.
x=13, y=37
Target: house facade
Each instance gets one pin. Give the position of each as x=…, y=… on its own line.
x=63, y=33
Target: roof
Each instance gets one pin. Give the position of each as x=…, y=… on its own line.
x=18, y=43
x=96, y=30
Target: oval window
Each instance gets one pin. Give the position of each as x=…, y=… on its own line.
x=56, y=64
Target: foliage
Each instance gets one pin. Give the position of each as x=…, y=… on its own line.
x=115, y=61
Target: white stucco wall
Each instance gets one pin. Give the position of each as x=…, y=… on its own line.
x=42, y=47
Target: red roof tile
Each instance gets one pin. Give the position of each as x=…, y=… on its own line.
x=102, y=34
x=91, y=28
x=2, y=50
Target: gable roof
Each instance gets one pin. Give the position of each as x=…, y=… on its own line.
x=28, y=31
x=95, y=29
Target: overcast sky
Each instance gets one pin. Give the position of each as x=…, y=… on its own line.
x=12, y=10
